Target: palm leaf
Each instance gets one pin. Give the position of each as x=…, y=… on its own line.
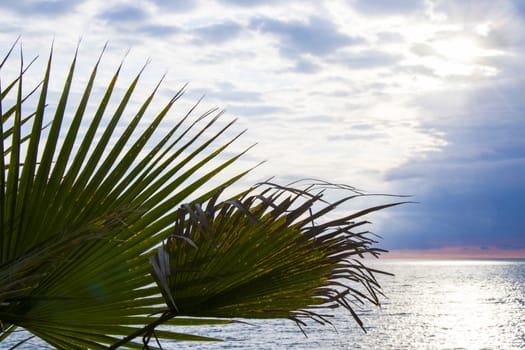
x=265, y=255
x=78, y=225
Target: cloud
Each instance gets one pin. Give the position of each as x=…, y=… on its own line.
x=217, y=33
x=317, y=119
x=416, y=70
x=156, y=30
x=212, y=57
x=317, y=37
x=473, y=191
x=388, y=7
x=253, y=110
x=421, y=49
x=362, y=126
x=507, y=34
x=248, y=3
x=226, y=91
x=305, y=66
x=177, y=6
x=367, y=59
x=357, y=136
x=519, y=7
x=389, y=37
x=41, y=7
x=123, y=13
x=451, y=216
x=468, y=11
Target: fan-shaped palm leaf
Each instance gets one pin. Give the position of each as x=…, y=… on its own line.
x=79, y=215
x=267, y=254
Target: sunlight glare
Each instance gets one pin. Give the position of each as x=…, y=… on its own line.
x=461, y=50
x=460, y=56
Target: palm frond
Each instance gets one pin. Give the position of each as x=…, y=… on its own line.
x=78, y=224
x=267, y=254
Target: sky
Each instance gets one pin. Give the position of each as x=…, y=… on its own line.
x=411, y=97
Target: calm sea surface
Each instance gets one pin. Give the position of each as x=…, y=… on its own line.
x=430, y=304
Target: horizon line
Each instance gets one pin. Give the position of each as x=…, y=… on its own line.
x=456, y=252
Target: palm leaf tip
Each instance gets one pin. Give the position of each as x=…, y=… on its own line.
x=268, y=254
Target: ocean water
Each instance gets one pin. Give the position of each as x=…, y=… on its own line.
x=429, y=304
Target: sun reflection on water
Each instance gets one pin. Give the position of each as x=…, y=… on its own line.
x=456, y=304
x=465, y=317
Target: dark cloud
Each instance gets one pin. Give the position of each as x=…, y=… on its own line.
x=123, y=13
x=452, y=216
x=519, y=6
x=388, y=7
x=41, y=7
x=317, y=37
x=473, y=192
x=217, y=33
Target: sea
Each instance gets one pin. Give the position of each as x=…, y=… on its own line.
x=428, y=304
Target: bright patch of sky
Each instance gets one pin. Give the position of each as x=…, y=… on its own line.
x=416, y=97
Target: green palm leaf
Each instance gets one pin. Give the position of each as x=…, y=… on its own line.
x=267, y=254
x=78, y=224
